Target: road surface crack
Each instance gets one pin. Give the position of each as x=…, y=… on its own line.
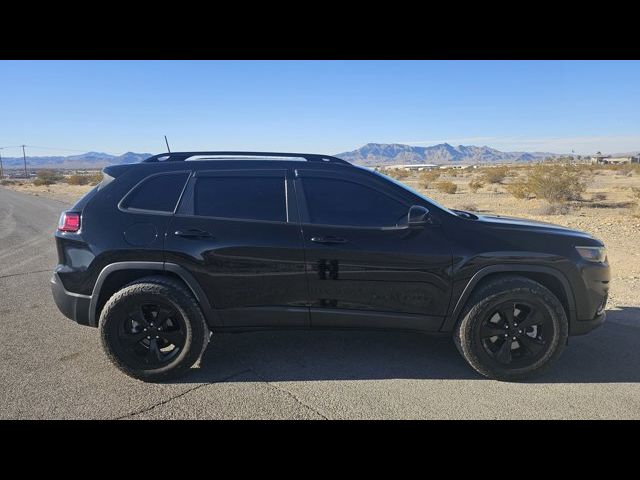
x=24, y=273
x=182, y=394
x=292, y=395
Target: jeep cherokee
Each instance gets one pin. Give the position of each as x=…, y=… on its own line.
x=164, y=252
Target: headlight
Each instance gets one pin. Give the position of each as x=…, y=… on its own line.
x=593, y=254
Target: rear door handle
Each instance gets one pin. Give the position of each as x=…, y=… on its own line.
x=194, y=233
x=328, y=239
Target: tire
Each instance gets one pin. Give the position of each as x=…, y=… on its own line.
x=489, y=342
x=153, y=329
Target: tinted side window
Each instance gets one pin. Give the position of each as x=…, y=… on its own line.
x=252, y=198
x=341, y=202
x=158, y=192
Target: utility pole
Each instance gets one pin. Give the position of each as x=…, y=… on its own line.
x=24, y=157
x=1, y=170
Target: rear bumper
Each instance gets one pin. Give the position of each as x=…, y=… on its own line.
x=72, y=305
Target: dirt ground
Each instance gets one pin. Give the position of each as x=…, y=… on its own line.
x=608, y=216
x=58, y=191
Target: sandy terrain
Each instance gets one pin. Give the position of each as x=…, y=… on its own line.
x=58, y=191
x=609, y=218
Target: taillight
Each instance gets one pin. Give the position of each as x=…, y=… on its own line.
x=69, y=222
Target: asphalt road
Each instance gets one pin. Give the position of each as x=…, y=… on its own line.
x=53, y=368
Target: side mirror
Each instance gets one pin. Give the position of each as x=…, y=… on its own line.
x=418, y=216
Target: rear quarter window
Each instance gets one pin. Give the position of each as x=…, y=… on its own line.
x=159, y=193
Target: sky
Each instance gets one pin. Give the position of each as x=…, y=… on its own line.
x=69, y=107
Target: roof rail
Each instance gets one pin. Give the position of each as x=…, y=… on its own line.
x=182, y=156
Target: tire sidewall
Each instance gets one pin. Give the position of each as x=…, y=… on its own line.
x=469, y=342
x=115, y=311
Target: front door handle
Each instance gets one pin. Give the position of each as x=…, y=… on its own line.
x=193, y=233
x=328, y=239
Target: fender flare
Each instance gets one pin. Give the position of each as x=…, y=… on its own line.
x=210, y=314
x=451, y=319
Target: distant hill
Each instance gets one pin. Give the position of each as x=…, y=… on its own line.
x=369, y=154
x=85, y=160
x=395, y=153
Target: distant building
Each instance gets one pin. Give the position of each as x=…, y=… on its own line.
x=416, y=166
x=609, y=160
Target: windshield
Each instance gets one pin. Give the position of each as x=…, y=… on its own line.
x=415, y=192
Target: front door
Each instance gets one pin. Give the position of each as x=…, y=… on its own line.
x=365, y=266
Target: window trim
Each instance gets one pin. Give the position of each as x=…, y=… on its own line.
x=122, y=202
x=186, y=207
x=305, y=216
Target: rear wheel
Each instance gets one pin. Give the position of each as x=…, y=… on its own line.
x=153, y=329
x=513, y=328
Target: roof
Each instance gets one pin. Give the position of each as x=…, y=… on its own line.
x=239, y=155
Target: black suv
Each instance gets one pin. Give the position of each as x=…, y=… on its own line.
x=164, y=252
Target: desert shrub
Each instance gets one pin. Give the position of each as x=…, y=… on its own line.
x=519, y=189
x=446, y=187
x=475, y=185
x=77, y=179
x=626, y=170
x=598, y=197
x=635, y=192
x=556, y=183
x=398, y=173
x=6, y=182
x=95, y=178
x=427, y=176
x=47, y=177
x=554, y=209
x=495, y=174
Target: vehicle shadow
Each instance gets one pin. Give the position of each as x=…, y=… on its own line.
x=609, y=354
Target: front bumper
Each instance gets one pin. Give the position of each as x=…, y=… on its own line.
x=72, y=305
x=585, y=326
x=591, y=290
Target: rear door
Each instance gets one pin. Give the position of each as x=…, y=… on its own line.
x=365, y=267
x=237, y=231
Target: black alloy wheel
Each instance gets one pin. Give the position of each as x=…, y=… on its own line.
x=515, y=333
x=151, y=334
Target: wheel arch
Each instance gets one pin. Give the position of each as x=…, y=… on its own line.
x=116, y=275
x=549, y=277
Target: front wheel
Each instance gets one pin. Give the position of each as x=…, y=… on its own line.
x=153, y=329
x=512, y=328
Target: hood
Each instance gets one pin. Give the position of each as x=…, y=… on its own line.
x=524, y=224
